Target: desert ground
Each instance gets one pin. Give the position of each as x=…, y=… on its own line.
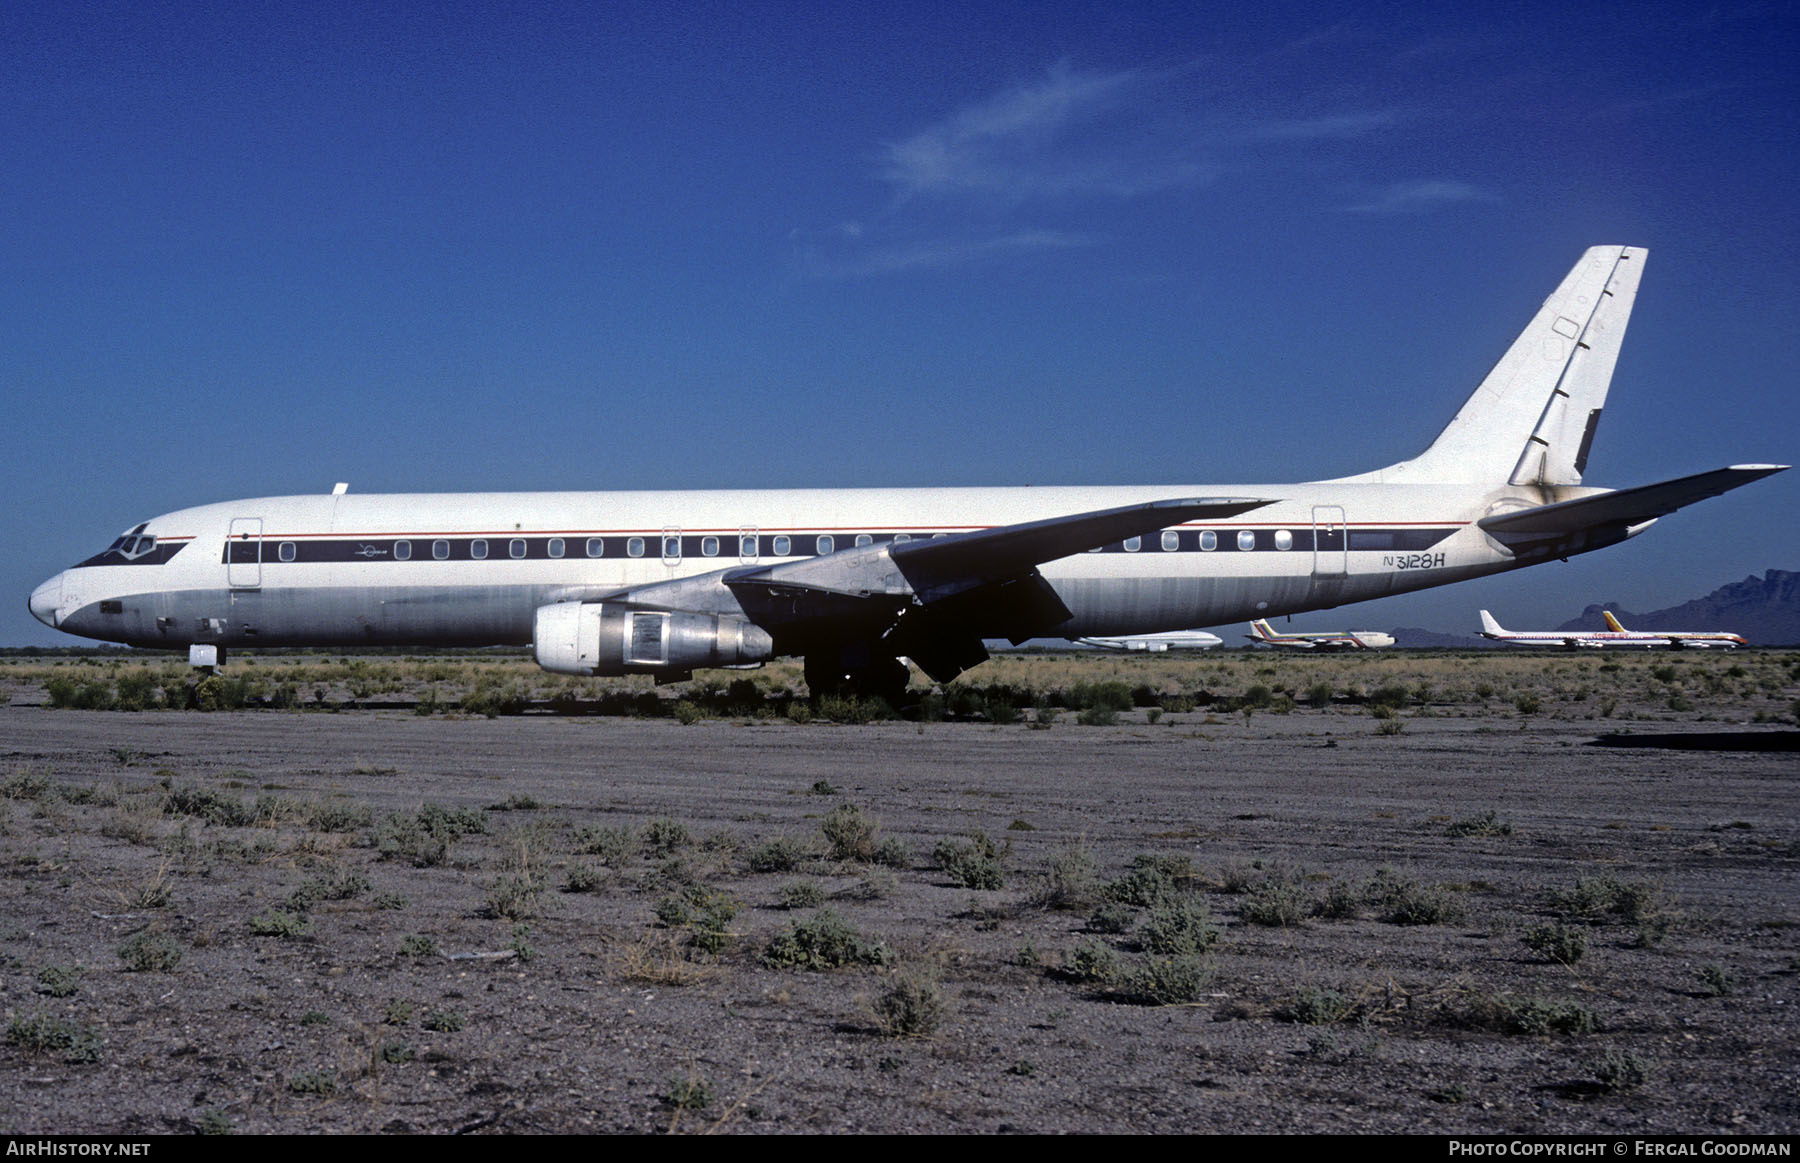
x=1483, y=893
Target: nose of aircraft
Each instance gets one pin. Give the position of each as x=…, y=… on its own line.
x=45, y=600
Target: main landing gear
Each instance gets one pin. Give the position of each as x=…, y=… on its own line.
x=877, y=678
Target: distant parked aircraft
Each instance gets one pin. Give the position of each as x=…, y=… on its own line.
x=1616, y=635
x=1326, y=640
x=1157, y=643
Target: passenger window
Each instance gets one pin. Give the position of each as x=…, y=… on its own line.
x=1209, y=541
x=747, y=546
x=709, y=546
x=556, y=547
x=634, y=547
x=516, y=548
x=864, y=539
x=596, y=547
x=1284, y=539
x=478, y=549
x=1246, y=539
x=899, y=537
x=825, y=544
x=783, y=547
x=402, y=551
x=1171, y=541
x=440, y=549
x=1133, y=544
x=671, y=547
x=286, y=551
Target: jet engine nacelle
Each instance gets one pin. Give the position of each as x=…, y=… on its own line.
x=611, y=639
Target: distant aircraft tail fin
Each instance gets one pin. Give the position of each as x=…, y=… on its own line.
x=1612, y=623
x=1489, y=627
x=1532, y=420
x=1262, y=631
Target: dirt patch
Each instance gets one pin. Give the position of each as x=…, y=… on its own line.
x=1280, y=923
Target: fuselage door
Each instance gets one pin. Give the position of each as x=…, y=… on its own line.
x=243, y=554
x=1331, y=542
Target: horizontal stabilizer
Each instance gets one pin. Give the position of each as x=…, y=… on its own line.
x=1626, y=506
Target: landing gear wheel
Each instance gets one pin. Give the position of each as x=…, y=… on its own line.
x=883, y=679
x=824, y=678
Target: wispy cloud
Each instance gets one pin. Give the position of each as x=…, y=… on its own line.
x=1420, y=196
x=979, y=183
x=1069, y=134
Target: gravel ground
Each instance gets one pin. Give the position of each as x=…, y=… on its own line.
x=323, y=982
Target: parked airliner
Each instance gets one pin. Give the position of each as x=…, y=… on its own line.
x=1613, y=635
x=1319, y=639
x=854, y=579
x=1156, y=643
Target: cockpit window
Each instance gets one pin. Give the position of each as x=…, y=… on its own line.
x=132, y=546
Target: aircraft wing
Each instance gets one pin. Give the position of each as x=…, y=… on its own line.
x=935, y=599
x=955, y=563
x=1626, y=507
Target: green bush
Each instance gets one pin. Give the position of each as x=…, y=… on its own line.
x=1564, y=944
x=912, y=1005
x=44, y=1034
x=1092, y=962
x=802, y=894
x=419, y=945
x=314, y=1083
x=688, y=1094
x=972, y=863
x=275, y=923
x=664, y=836
x=1313, y=1006
x=852, y=834
x=1179, y=927
x=1152, y=877
x=1526, y=1015
x=825, y=941
x=1276, y=903
x=150, y=953
x=59, y=980
x=1161, y=981
x=1620, y=1071
x=1072, y=880
x=781, y=854
x=612, y=846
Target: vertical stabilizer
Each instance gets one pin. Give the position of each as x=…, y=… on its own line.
x=1489, y=627
x=1532, y=420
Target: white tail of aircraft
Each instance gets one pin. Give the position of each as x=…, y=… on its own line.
x=1532, y=419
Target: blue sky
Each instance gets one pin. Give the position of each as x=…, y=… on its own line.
x=449, y=247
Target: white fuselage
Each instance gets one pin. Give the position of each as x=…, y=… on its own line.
x=1606, y=639
x=471, y=569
